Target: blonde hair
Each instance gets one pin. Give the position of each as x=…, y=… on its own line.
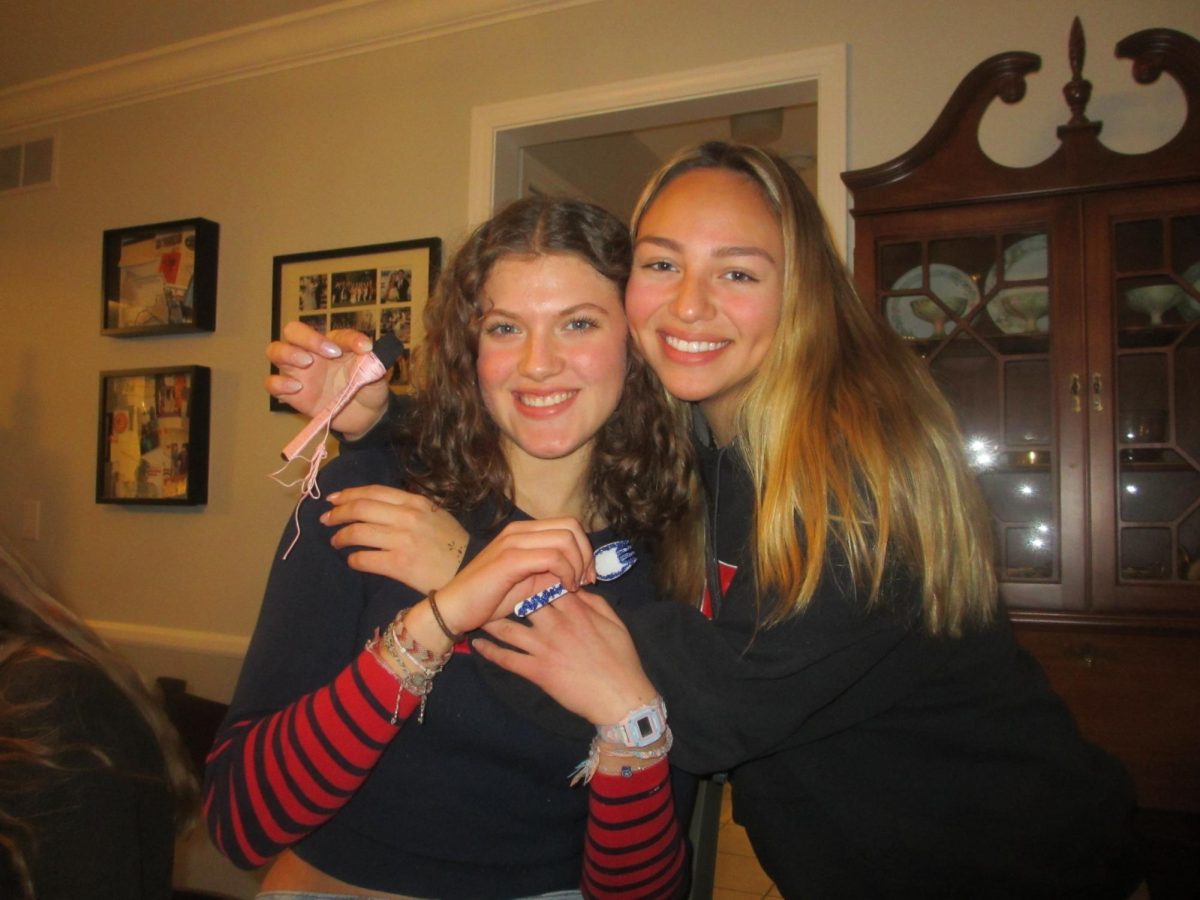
x=845, y=432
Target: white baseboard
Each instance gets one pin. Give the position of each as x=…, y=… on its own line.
x=213, y=642
x=209, y=661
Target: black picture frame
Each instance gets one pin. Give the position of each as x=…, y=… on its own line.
x=375, y=287
x=160, y=278
x=152, y=446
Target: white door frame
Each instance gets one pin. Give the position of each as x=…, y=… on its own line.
x=498, y=131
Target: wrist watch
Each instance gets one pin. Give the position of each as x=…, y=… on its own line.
x=640, y=727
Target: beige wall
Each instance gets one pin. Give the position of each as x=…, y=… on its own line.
x=371, y=148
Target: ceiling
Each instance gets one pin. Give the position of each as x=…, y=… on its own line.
x=42, y=38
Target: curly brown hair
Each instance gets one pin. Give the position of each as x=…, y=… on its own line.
x=641, y=480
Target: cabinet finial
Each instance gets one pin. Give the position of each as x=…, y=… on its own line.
x=1077, y=91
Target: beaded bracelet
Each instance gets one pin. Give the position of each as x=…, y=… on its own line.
x=419, y=655
x=403, y=647
x=419, y=683
x=400, y=653
x=586, y=769
x=372, y=647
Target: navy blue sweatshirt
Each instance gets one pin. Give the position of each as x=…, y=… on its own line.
x=473, y=803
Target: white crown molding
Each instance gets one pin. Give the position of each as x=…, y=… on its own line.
x=177, y=639
x=317, y=35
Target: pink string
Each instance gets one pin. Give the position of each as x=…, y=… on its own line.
x=308, y=482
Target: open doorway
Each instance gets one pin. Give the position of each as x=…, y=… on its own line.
x=610, y=169
x=602, y=143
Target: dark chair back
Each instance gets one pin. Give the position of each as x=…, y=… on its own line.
x=195, y=718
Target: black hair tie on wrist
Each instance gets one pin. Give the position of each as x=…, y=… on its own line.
x=437, y=617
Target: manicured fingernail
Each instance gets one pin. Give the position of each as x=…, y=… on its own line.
x=332, y=498
x=292, y=386
x=330, y=349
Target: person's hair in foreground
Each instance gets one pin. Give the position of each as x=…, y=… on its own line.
x=34, y=627
x=845, y=431
x=641, y=480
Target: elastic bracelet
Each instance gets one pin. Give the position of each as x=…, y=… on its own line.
x=437, y=617
x=586, y=769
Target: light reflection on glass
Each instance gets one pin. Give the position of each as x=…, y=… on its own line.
x=1026, y=489
x=982, y=453
x=1131, y=488
x=1041, y=537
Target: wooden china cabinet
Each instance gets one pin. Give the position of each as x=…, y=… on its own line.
x=1058, y=307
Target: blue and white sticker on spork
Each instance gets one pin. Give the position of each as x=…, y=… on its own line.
x=612, y=561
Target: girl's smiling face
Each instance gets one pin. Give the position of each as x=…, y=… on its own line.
x=706, y=293
x=552, y=355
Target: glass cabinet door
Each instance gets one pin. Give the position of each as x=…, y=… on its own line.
x=1149, y=556
x=979, y=307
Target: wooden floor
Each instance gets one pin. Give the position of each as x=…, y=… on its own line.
x=738, y=875
x=1171, y=842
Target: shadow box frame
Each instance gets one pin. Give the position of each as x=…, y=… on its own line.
x=160, y=278
x=160, y=427
x=373, y=287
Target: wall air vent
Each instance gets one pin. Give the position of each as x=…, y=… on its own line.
x=27, y=165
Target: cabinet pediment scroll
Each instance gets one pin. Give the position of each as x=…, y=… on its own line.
x=949, y=165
